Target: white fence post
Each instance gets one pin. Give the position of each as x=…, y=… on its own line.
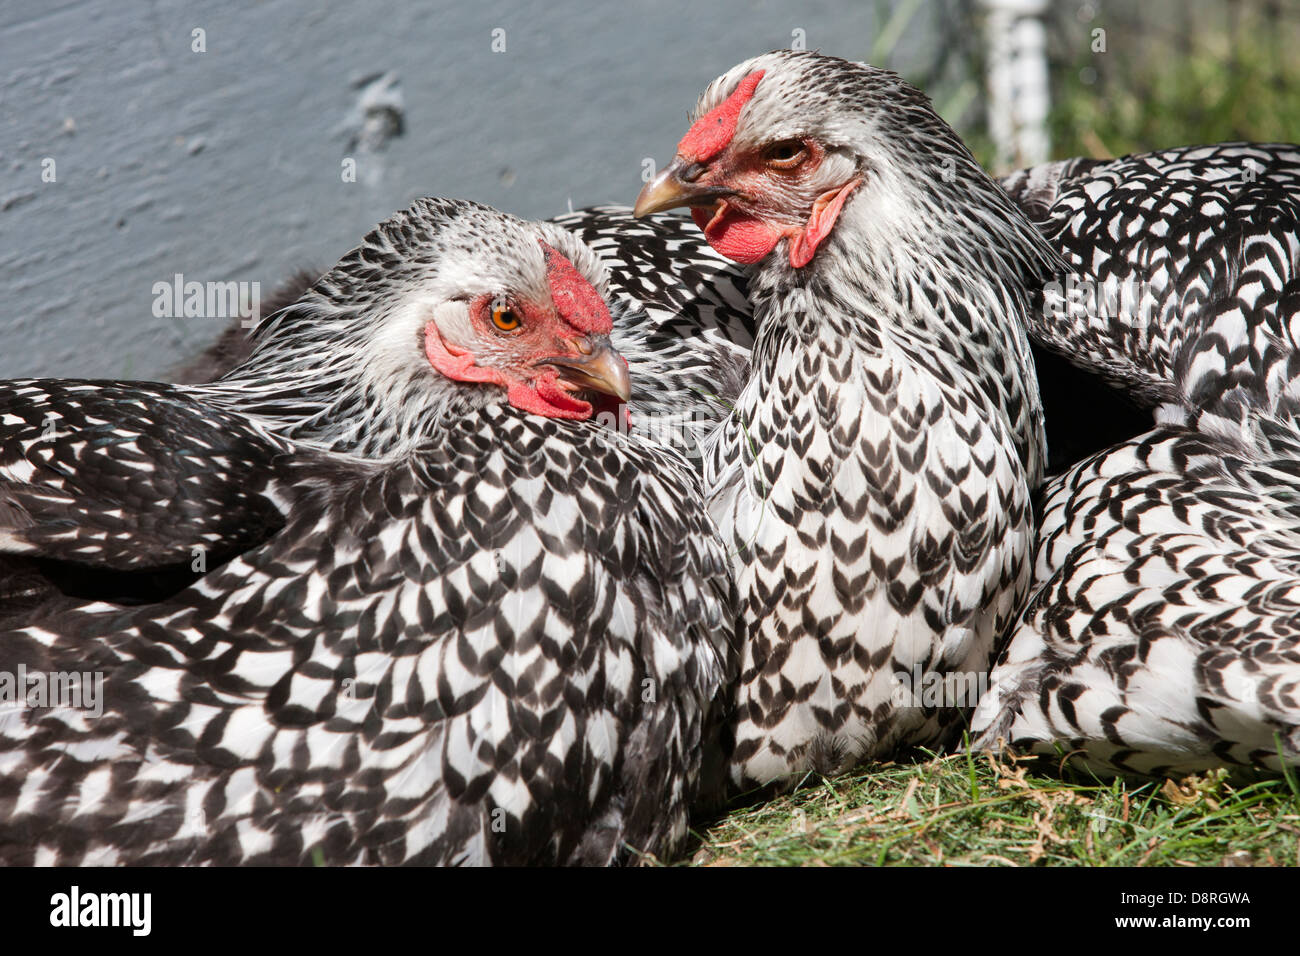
x=1018, y=90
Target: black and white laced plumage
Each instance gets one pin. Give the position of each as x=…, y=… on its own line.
x=113, y=490
x=1183, y=263
x=501, y=643
x=1164, y=635
x=874, y=478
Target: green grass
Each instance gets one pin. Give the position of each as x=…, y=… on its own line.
x=976, y=810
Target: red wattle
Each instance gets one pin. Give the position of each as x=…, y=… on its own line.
x=602, y=405
x=822, y=219
x=545, y=397
x=737, y=236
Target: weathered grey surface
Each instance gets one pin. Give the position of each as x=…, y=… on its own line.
x=226, y=165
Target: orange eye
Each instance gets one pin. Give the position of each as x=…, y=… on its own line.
x=505, y=319
x=787, y=154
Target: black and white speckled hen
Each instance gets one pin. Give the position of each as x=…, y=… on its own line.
x=1165, y=634
x=874, y=477
x=501, y=643
x=1157, y=235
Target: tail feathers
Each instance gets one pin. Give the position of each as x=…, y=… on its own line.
x=1179, y=708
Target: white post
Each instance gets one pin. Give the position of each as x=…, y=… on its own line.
x=1019, y=95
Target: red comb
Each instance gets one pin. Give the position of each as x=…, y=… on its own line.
x=713, y=131
x=575, y=299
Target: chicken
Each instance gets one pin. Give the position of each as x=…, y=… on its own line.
x=874, y=477
x=505, y=641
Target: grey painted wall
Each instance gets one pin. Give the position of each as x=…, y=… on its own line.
x=226, y=164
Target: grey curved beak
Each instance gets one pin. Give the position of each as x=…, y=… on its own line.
x=677, y=185
x=604, y=370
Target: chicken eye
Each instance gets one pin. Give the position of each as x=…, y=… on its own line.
x=505, y=319
x=787, y=154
